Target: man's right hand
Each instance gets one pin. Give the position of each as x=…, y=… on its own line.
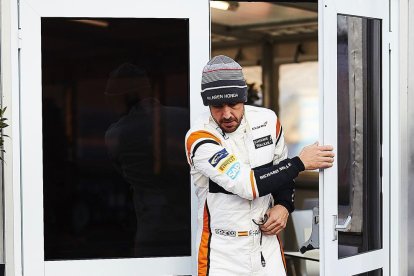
x=317, y=157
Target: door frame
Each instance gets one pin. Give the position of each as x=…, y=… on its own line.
x=328, y=11
x=10, y=44
x=29, y=105
x=403, y=18
x=11, y=166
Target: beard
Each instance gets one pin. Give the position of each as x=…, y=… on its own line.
x=230, y=125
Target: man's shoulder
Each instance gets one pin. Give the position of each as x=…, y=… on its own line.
x=257, y=111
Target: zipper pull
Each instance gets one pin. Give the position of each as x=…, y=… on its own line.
x=263, y=259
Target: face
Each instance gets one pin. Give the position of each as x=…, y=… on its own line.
x=228, y=116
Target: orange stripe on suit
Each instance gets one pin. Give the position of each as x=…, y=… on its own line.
x=252, y=183
x=278, y=128
x=282, y=252
x=204, y=249
x=202, y=134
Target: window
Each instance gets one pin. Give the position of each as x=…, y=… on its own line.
x=299, y=104
x=359, y=133
x=115, y=113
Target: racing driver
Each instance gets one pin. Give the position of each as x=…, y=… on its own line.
x=242, y=176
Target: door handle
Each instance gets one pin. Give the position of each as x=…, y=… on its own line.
x=344, y=227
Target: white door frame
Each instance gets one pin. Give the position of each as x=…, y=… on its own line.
x=328, y=192
x=30, y=131
x=11, y=172
x=400, y=10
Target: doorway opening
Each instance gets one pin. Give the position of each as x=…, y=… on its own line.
x=277, y=46
x=276, y=43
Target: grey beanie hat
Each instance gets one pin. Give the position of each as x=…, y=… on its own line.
x=223, y=82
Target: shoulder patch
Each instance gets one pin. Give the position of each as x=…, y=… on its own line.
x=234, y=170
x=227, y=163
x=260, y=126
x=263, y=141
x=217, y=157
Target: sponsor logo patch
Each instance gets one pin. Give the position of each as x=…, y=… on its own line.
x=234, y=170
x=254, y=232
x=223, y=96
x=228, y=233
x=217, y=157
x=282, y=168
x=226, y=163
x=263, y=141
x=232, y=233
x=262, y=125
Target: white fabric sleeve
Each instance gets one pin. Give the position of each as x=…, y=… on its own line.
x=226, y=170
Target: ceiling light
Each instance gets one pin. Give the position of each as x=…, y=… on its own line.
x=224, y=5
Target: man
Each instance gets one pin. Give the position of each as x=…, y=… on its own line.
x=243, y=179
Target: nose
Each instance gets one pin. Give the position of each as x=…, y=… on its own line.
x=226, y=112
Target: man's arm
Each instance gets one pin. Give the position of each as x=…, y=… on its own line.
x=284, y=197
x=206, y=155
x=277, y=216
x=284, y=202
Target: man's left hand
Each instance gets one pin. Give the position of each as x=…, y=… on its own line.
x=276, y=222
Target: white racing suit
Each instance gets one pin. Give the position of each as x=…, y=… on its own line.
x=237, y=180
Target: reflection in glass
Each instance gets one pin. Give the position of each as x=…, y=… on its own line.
x=359, y=133
x=115, y=113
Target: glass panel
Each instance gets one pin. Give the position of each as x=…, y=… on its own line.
x=115, y=113
x=377, y=272
x=359, y=133
x=299, y=104
x=253, y=77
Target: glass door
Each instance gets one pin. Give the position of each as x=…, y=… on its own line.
x=354, y=46
x=105, y=96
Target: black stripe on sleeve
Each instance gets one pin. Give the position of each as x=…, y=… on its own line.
x=278, y=177
x=202, y=143
x=280, y=135
x=215, y=188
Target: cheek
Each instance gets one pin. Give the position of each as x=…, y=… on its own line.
x=216, y=116
x=238, y=115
